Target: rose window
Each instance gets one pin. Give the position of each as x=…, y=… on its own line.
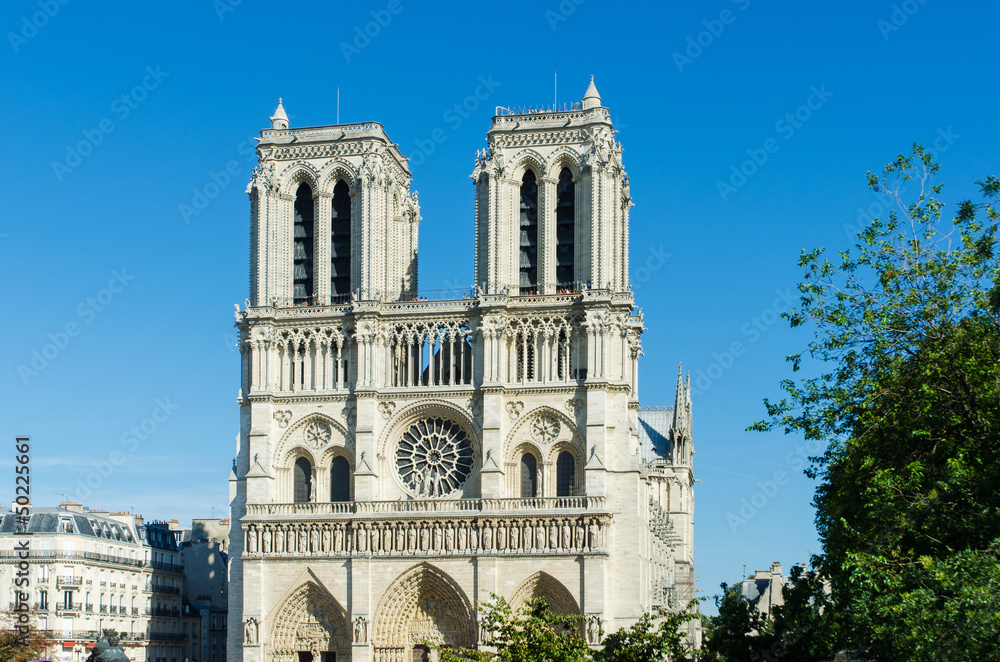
x=545, y=428
x=434, y=457
x=317, y=434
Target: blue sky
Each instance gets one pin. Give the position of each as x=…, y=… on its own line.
x=119, y=115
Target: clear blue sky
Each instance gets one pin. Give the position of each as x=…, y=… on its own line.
x=98, y=240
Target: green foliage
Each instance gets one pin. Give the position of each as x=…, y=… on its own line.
x=535, y=633
x=805, y=628
x=532, y=634
x=14, y=647
x=646, y=642
x=907, y=330
x=739, y=633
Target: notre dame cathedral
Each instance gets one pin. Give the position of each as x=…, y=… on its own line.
x=401, y=459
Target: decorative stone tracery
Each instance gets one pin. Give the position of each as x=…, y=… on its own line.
x=310, y=620
x=422, y=605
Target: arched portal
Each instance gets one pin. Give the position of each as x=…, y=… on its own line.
x=422, y=605
x=544, y=585
x=311, y=625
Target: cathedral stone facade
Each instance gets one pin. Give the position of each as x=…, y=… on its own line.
x=401, y=459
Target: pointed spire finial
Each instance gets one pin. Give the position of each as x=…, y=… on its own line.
x=279, y=120
x=591, y=98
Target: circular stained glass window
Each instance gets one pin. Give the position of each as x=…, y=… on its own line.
x=434, y=457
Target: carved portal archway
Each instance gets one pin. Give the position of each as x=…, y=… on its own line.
x=544, y=585
x=310, y=620
x=422, y=604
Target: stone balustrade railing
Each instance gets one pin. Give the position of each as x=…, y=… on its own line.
x=419, y=507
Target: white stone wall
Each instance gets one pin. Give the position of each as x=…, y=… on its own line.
x=548, y=373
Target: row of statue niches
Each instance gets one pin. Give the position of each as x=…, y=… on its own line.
x=544, y=534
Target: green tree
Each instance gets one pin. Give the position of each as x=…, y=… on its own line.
x=647, y=641
x=907, y=336
x=806, y=626
x=739, y=633
x=534, y=633
x=15, y=647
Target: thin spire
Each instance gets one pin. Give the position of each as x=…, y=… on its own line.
x=279, y=120
x=591, y=98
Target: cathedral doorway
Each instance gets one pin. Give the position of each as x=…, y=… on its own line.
x=311, y=626
x=423, y=605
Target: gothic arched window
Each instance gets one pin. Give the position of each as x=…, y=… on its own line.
x=302, y=480
x=302, y=257
x=565, y=474
x=565, y=229
x=529, y=476
x=529, y=234
x=340, y=243
x=340, y=479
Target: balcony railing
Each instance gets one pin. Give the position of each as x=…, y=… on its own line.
x=489, y=506
x=62, y=554
x=163, y=565
x=69, y=607
x=68, y=580
x=166, y=636
x=162, y=588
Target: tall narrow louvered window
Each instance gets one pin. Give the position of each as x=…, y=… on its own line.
x=302, y=259
x=340, y=244
x=340, y=479
x=529, y=476
x=529, y=234
x=302, y=477
x=565, y=474
x=565, y=229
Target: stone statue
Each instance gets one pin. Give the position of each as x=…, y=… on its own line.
x=360, y=630
x=250, y=632
x=252, y=540
x=566, y=541
x=338, y=539
x=313, y=540
x=326, y=539
x=579, y=535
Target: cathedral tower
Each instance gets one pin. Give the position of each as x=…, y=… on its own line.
x=400, y=460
